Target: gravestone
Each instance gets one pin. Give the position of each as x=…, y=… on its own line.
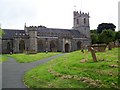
x=93, y=54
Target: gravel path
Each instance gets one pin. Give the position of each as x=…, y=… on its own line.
x=13, y=72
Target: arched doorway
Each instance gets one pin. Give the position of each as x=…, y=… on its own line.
x=67, y=47
x=8, y=47
x=78, y=45
x=21, y=46
x=53, y=46
x=40, y=45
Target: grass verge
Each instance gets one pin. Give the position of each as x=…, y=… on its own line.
x=69, y=72
x=26, y=58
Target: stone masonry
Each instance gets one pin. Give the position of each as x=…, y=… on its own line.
x=35, y=39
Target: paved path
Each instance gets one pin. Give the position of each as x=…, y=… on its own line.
x=13, y=72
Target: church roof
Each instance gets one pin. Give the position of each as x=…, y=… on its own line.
x=61, y=32
x=9, y=33
x=49, y=32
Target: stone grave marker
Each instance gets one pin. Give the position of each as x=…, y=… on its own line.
x=93, y=54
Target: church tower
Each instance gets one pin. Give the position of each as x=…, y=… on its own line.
x=81, y=22
x=32, y=32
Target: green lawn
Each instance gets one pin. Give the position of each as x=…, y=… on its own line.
x=69, y=72
x=3, y=58
x=25, y=58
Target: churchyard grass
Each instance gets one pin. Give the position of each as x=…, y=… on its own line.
x=3, y=58
x=69, y=72
x=26, y=58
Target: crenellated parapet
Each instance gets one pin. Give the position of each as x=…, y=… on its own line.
x=79, y=13
x=32, y=28
x=35, y=28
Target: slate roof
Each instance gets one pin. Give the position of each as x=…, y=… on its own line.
x=67, y=32
x=10, y=33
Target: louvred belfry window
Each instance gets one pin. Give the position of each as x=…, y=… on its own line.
x=84, y=20
x=77, y=21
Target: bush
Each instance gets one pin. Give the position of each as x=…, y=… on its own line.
x=107, y=36
x=94, y=38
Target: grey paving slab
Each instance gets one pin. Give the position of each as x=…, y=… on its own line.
x=13, y=72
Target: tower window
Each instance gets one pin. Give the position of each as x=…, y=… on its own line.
x=77, y=21
x=84, y=20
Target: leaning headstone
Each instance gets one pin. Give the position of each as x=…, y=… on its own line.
x=93, y=54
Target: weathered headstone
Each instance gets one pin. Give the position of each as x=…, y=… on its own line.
x=93, y=54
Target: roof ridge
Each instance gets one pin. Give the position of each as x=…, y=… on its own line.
x=12, y=29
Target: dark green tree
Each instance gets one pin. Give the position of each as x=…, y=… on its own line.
x=107, y=36
x=94, y=38
x=93, y=31
x=105, y=26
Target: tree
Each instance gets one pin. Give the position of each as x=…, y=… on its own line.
x=117, y=36
x=105, y=26
x=100, y=39
x=94, y=38
x=107, y=36
x=93, y=31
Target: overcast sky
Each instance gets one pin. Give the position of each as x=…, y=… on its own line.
x=55, y=13
x=119, y=16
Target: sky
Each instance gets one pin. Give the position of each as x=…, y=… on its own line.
x=55, y=13
x=119, y=16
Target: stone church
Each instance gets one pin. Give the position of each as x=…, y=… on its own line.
x=35, y=39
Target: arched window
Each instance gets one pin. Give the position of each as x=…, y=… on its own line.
x=84, y=20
